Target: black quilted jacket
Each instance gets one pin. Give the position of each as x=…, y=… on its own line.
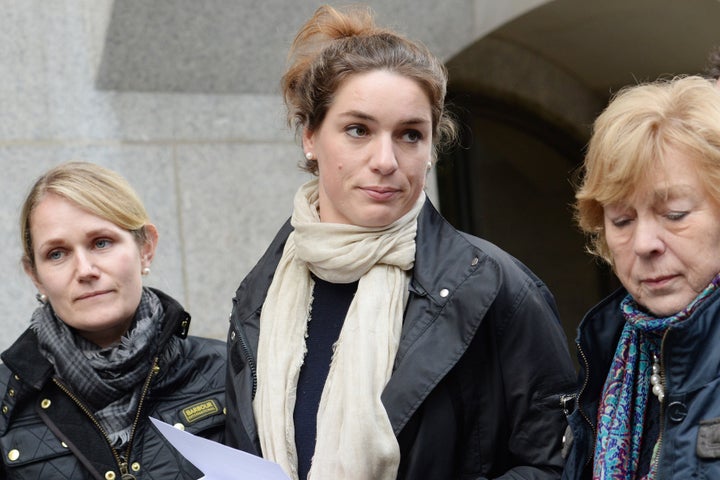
x=46, y=434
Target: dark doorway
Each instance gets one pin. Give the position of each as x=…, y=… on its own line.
x=510, y=183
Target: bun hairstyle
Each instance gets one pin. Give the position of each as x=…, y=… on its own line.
x=713, y=63
x=335, y=44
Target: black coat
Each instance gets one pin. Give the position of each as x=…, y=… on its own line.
x=45, y=434
x=479, y=372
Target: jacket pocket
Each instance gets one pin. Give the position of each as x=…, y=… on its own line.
x=34, y=448
x=708, y=439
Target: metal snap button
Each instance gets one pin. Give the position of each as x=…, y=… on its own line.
x=677, y=411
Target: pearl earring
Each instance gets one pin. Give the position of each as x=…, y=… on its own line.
x=309, y=155
x=145, y=271
x=41, y=297
x=429, y=165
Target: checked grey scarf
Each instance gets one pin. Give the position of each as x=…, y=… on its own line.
x=109, y=379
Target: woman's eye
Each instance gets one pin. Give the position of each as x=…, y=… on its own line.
x=621, y=222
x=357, y=131
x=55, y=255
x=412, y=136
x=102, y=243
x=674, y=216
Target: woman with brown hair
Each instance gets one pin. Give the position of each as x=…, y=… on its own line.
x=373, y=340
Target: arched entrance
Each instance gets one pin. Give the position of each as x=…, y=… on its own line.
x=509, y=182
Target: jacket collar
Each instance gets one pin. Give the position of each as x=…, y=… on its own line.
x=176, y=321
x=437, y=328
x=24, y=359
x=597, y=339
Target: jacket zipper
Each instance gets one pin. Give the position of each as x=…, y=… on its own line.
x=246, y=351
x=577, y=399
x=662, y=404
x=121, y=461
x=251, y=362
x=658, y=445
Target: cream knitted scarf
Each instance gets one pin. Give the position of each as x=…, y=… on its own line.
x=354, y=437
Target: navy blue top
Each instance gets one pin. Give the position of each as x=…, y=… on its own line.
x=329, y=308
x=650, y=435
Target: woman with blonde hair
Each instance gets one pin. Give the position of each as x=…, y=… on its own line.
x=103, y=353
x=649, y=402
x=373, y=340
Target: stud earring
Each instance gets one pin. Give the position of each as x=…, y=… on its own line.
x=145, y=271
x=41, y=297
x=309, y=155
x=429, y=165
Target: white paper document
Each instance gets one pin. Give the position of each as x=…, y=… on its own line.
x=219, y=462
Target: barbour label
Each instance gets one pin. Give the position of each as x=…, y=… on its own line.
x=200, y=410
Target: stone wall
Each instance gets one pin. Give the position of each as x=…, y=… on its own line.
x=180, y=97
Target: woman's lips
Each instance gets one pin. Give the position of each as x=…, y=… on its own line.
x=380, y=193
x=94, y=294
x=658, y=282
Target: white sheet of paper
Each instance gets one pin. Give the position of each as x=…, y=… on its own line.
x=219, y=462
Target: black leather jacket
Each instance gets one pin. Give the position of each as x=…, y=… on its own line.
x=478, y=376
x=45, y=432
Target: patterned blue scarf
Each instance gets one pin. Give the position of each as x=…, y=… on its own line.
x=621, y=413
